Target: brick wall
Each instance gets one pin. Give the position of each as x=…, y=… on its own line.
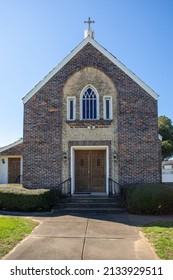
x=42, y=138
x=136, y=121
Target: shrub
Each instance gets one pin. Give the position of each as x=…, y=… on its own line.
x=149, y=199
x=21, y=199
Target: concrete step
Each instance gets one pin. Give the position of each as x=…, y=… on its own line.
x=89, y=204
x=85, y=201
x=88, y=210
x=89, y=196
x=88, y=200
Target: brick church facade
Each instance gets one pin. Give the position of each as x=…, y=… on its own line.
x=89, y=119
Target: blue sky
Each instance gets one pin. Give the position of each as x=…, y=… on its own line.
x=37, y=34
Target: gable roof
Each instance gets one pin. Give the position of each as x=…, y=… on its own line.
x=20, y=141
x=106, y=54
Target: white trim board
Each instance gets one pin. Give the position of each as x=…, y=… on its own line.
x=105, y=53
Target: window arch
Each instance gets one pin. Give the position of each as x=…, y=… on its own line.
x=89, y=103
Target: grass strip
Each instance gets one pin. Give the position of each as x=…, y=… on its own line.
x=13, y=230
x=160, y=235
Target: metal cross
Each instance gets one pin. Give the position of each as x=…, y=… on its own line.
x=89, y=22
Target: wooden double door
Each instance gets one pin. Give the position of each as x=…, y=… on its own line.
x=90, y=171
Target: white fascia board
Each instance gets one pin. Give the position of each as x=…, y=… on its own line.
x=20, y=141
x=105, y=53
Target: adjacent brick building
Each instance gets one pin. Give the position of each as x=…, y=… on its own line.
x=90, y=119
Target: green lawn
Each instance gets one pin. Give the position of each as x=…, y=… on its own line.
x=160, y=235
x=12, y=230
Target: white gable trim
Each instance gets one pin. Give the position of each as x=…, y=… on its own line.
x=105, y=53
x=20, y=141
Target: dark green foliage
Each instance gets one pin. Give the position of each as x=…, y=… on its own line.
x=21, y=199
x=149, y=199
x=166, y=130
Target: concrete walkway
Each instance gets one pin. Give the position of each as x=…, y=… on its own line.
x=87, y=237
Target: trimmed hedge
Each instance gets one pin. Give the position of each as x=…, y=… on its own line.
x=149, y=199
x=17, y=198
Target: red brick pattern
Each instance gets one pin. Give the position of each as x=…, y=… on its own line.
x=138, y=144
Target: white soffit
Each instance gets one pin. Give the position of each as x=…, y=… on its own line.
x=105, y=53
x=20, y=141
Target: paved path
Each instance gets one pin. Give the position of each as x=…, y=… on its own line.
x=89, y=237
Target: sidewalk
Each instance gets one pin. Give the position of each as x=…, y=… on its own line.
x=87, y=237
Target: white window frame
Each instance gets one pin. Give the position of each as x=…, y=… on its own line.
x=71, y=98
x=81, y=103
x=110, y=107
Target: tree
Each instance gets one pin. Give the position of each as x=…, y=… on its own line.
x=166, y=131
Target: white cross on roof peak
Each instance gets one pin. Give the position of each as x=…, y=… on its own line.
x=89, y=31
x=89, y=21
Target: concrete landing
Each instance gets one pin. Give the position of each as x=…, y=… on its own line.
x=85, y=237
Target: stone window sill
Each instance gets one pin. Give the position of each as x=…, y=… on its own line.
x=86, y=123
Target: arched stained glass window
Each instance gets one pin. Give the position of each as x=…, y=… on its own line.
x=89, y=104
